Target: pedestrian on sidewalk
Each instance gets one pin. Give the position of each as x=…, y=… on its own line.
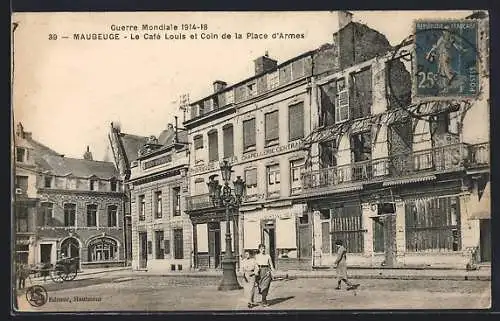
x=249, y=268
x=341, y=267
x=22, y=274
x=264, y=277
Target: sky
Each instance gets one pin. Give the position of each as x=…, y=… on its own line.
x=67, y=92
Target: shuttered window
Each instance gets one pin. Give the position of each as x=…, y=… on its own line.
x=213, y=146
x=251, y=177
x=178, y=244
x=228, y=141
x=361, y=93
x=272, y=126
x=198, y=142
x=249, y=133
x=296, y=121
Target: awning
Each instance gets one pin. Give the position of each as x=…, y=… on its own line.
x=483, y=209
x=409, y=180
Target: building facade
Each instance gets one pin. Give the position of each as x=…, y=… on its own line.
x=66, y=206
x=398, y=180
x=161, y=231
x=259, y=125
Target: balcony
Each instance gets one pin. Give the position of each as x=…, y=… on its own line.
x=198, y=202
x=444, y=159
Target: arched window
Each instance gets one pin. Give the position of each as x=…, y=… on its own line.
x=103, y=249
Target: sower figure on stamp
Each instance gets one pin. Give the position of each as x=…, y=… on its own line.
x=341, y=266
x=443, y=48
x=250, y=269
x=264, y=276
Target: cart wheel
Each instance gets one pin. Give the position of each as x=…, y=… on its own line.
x=70, y=275
x=57, y=275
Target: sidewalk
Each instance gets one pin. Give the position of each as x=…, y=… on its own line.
x=364, y=273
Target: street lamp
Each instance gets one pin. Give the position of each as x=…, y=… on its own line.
x=222, y=196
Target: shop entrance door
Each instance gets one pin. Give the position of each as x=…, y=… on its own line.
x=214, y=248
x=269, y=238
x=485, y=240
x=143, y=250
x=45, y=253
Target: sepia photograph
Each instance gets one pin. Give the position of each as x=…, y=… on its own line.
x=250, y=161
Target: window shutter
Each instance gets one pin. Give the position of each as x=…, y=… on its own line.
x=213, y=146
x=251, y=177
x=249, y=133
x=272, y=126
x=198, y=142
x=228, y=141
x=296, y=121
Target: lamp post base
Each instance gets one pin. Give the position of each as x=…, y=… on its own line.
x=229, y=278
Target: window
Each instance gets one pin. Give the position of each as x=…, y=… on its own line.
x=304, y=219
x=47, y=181
x=199, y=187
x=45, y=214
x=328, y=94
x=20, y=154
x=103, y=249
x=198, y=148
x=142, y=208
x=113, y=184
x=328, y=154
x=22, y=183
x=176, y=199
x=361, y=147
x=296, y=121
x=93, y=185
x=273, y=181
x=346, y=225
x=112, y=215
x=341, y=102
x=178, y=244
x=69, y=214
x=158, y=205
x=445, y=123
x=251, y=89
x=248, y=133
x=360, y=99
x=92, y=215
x=227, y=133
x=229, y=97
x=251, y=181
x=296, y=169
x=159, y=245
x=22, y=219
x=272, y=127
x=213, y=146
x=433, y=225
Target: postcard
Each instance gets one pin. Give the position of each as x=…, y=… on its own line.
x=250, y=161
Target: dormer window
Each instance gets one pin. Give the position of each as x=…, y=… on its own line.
x=93, y=185
x=113, y=185
x=20, y=154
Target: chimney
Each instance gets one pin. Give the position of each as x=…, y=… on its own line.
x=88, y=154
x=170, y=126
x=345, y=18
x=264, y=63
x=219, y=85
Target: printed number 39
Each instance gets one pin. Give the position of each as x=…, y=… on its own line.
x=426, y=80
x=52, y=36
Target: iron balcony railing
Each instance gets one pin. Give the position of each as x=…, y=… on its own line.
x=436, y=160
x=198, y=202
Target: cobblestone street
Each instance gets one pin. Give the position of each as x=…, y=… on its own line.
x=136, y=292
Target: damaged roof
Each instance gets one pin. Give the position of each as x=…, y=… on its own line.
x=63, y=166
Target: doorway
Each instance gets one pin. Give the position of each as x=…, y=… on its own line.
x=143, y=250
x=485, y=240
x=70, y=248
x=45, y=253
x=384, y=238
x=269, y=238
x=214, y=242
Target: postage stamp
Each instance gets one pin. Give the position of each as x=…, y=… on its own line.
x=446, y=59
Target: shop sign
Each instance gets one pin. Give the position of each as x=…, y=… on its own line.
x=273, y=150
x=157, y=161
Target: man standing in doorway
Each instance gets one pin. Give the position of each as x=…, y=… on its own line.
x=341, y=266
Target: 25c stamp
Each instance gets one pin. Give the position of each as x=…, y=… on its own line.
x=446, y=59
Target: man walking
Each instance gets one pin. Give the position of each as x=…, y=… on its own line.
x=341, y=266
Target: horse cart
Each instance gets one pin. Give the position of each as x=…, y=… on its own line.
x=64, y=270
